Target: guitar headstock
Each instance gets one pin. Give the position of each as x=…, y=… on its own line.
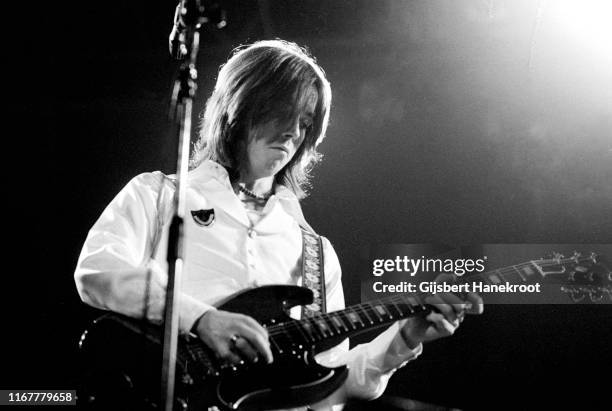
x=584, y=277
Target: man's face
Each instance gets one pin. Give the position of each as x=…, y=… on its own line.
x=274, y=143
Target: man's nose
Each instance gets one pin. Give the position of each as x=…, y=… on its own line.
x=292, y=129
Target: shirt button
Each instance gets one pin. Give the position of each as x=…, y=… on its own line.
x=251, y=233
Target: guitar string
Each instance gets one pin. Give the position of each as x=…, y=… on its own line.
x=281, y=329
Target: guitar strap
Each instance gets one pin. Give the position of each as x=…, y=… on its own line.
x=313, y=276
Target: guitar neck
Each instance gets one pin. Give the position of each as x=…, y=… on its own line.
x=345, y=323
x=513, y=274
x=373, y=314
x=361, y=317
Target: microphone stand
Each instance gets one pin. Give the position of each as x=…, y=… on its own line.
x=190, y=15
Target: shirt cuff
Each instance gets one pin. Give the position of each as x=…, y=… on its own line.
x=399, y=353
x=191, y=310
x=396, y=352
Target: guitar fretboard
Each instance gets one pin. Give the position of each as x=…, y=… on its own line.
x=347, y=322
x=361, y=317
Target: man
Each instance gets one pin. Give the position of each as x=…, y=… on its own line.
x=261, y=127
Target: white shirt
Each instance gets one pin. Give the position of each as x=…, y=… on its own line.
x=128, y=243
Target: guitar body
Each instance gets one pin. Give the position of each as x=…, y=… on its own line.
x=122, y=357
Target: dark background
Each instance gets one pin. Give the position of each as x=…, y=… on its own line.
x=462, y=122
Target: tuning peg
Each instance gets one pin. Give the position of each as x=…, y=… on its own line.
x=577, y=296
x=574, y=294
x=595, y=295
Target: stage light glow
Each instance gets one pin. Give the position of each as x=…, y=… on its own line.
x=588, y=22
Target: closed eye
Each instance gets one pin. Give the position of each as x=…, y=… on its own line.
x=306, y=124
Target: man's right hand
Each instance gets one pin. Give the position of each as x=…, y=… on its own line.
x=234, y=337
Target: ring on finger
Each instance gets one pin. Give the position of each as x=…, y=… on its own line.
x=234, y=339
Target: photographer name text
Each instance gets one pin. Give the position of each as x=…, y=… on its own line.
x=433, y=287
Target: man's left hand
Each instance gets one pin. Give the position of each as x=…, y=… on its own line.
x=450, y=310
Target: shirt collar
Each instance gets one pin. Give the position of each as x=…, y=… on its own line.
x=211, y=170
x=208, y=170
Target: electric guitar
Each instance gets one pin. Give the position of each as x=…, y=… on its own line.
x=122, y=356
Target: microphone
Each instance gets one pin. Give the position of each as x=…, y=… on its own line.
x=192, y=14
x=176, y=40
